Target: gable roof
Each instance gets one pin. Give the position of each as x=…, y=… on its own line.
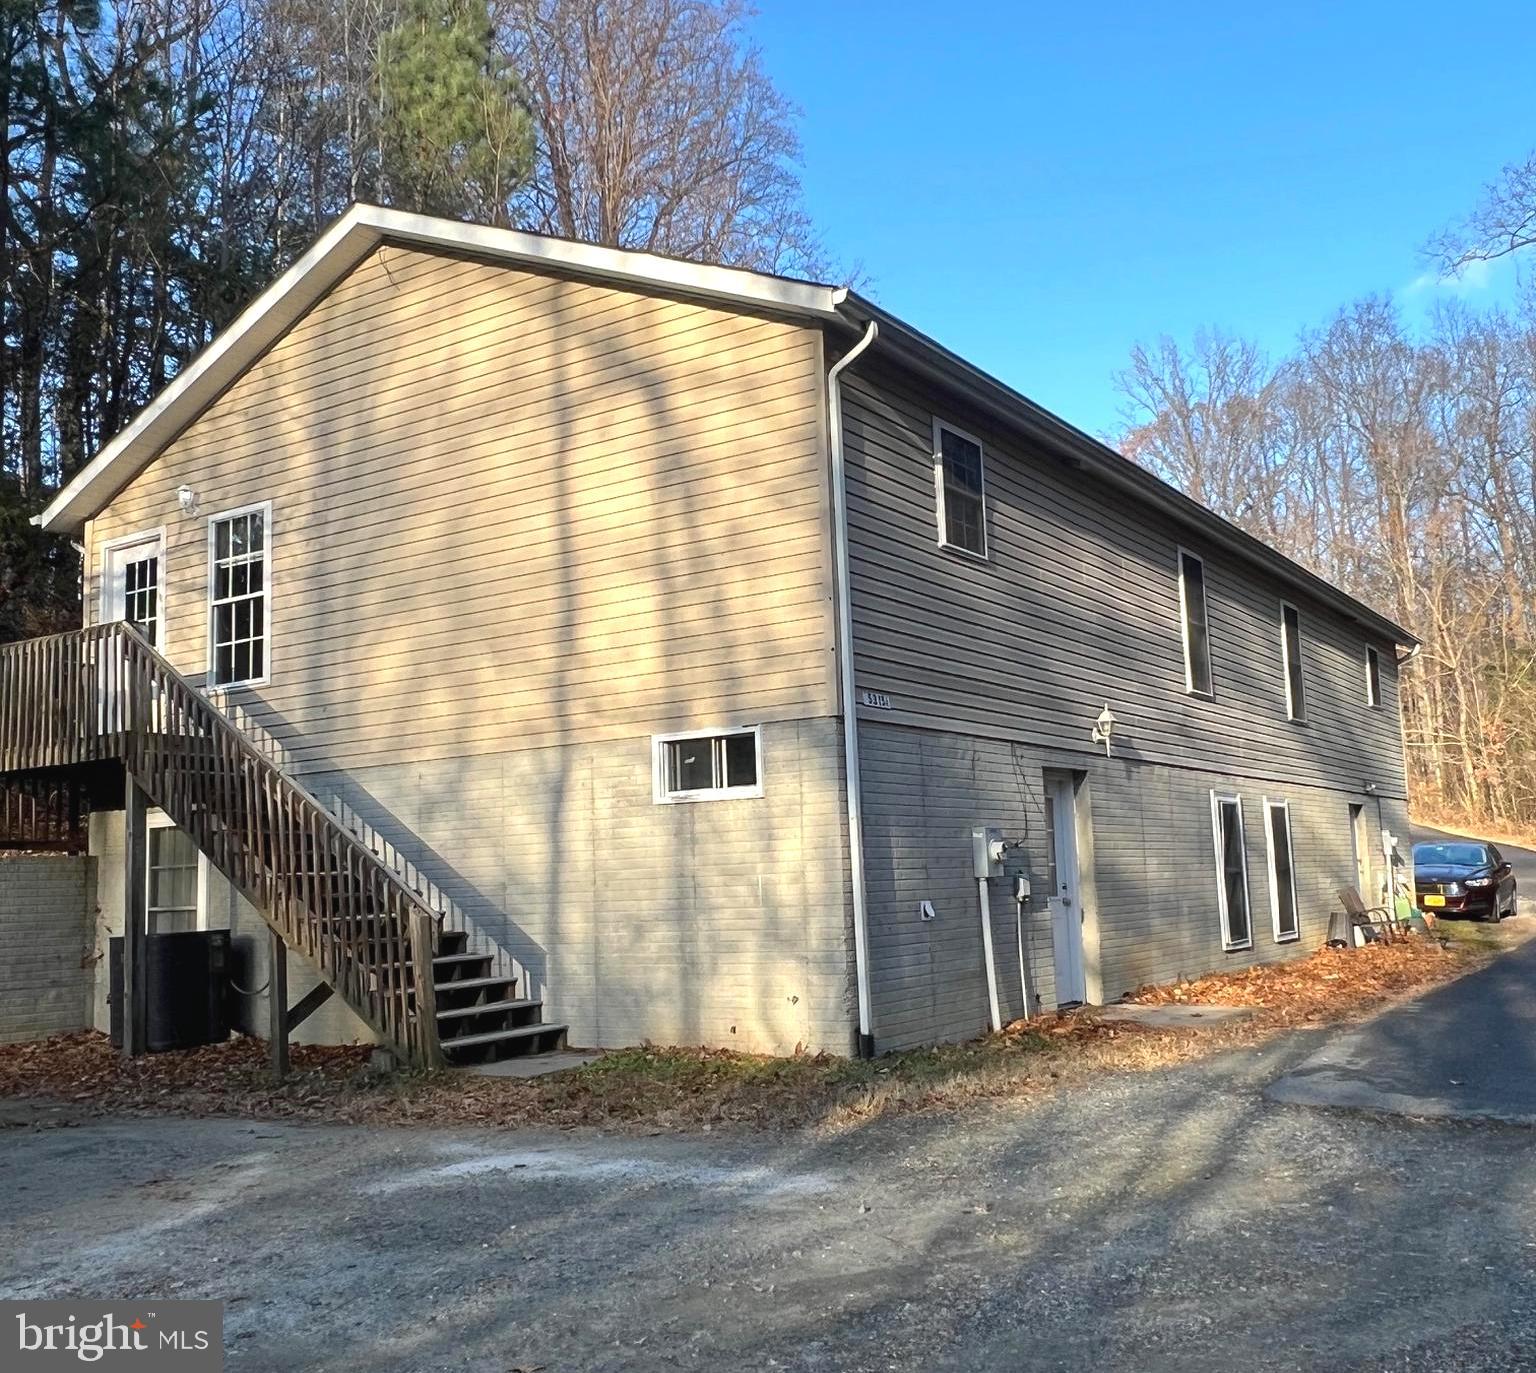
x=364, y=227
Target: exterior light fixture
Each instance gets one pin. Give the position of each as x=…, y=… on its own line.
x=186, y=498
x=1104, y=727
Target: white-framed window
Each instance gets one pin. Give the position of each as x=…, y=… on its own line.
x=1290, y=651
x=1372, y=677
x=1284, y=912
x=176, y=875
x=708, y=764
x=960, y=486
x=132, y=582
x=239, y=585
x=1231, y=871
x=1194, y=624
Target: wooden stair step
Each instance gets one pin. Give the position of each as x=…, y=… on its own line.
x=464, y=984
x=452, y=958
x=521, y=1032
x=487, y=1008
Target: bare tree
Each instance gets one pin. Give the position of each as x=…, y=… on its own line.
x=1404, y=468
x=1502, y=222
x=659, y=130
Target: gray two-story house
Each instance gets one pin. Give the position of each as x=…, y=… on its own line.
x=535, y=635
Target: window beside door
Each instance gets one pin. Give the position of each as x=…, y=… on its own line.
x=1231, y=871
x=1282, y=872
x=239, y=555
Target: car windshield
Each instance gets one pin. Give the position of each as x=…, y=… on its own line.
x=1454, y=855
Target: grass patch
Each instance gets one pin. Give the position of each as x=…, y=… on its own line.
x=654, y=1089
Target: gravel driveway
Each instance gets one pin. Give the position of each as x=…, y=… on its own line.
x=1169, y=1220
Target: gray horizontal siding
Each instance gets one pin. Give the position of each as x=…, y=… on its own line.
x=1149, y=878
x=1078, y=606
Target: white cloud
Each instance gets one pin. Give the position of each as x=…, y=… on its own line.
x=1475, y=277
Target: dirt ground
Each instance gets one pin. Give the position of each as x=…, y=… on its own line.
x=650, y=1089
x=1169, y=1220
x=1137, y=1213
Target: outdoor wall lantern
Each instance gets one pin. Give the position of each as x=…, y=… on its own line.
x=186, y=498
x=1104, y=728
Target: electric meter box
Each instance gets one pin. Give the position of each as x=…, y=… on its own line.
x=986, y=851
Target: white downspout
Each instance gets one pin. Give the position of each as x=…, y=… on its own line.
x=844, y=584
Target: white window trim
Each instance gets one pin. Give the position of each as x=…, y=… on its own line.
x=1291, y=713
x=939, y=426
x=1190, y=689
x=156, y=819
x=104, y=552
x=663, y=797
x=1227, y=943
x=1274, y=875
x=1372, y=681
x=265, y=508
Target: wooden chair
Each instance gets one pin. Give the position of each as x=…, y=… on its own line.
x=1379, y=921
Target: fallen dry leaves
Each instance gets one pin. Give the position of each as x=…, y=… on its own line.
x=655, y=1089
x=1322, y=986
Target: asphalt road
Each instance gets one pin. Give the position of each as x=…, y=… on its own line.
x=1466, y=1050
x=1166, y=1220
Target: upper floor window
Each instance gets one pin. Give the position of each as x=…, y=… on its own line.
x=712, y=765
x=1290, y=644
x=1372, y=677
x=1196, y=627
x=961, y=486
x=239, y=553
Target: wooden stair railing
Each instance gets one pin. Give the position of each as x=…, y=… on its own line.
x=103, y=694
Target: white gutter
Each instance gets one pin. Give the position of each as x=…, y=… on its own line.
x=844, y=581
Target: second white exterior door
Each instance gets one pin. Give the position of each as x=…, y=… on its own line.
x=1065, y=899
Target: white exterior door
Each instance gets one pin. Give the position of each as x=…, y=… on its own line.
x=130, y=585
x=1065, y=903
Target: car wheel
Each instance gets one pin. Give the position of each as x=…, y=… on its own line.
x=1494, y=913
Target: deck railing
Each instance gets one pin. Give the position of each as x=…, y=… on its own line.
x=103, y=693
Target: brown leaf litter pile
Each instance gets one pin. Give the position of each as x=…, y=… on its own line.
x=660, y=1089
x=1325, y=986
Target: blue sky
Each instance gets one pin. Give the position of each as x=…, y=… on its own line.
x=1040, y=186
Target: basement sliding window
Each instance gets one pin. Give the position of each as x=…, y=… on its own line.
x=962, y=494
x=1282, y=872
x=711, y=765
x=1372, y=677
x=1196, y=626
x=1231, y=871
x=239, y=557
x=1290, y=647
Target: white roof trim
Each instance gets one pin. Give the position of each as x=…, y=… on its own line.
x=336, y=252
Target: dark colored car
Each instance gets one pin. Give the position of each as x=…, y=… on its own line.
x=1453, y=877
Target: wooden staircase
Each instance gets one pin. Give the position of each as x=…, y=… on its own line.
x=70, y=703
